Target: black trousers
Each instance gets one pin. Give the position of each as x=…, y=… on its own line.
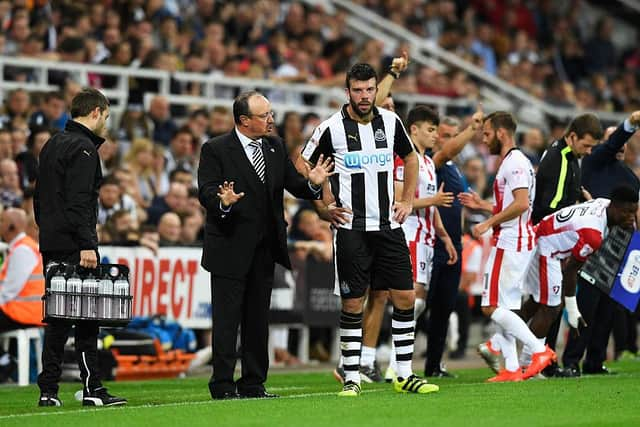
x=441, y=300
x=625, y=330
x=597, y=310
x=55, y=337
x=242, y=303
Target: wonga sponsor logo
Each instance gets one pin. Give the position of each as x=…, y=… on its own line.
x=360, y=160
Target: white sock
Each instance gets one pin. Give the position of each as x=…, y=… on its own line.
x=392, y=359
x=525, y=356
x=5, y=359
x=509, y=351
x=496, y=341
x=367, y=356
x=514, y=325
x=419, y=307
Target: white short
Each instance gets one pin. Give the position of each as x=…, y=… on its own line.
x=421, y=262
x=544, y=280
x=504, y=274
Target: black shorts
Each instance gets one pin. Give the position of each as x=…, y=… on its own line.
x=379, y=259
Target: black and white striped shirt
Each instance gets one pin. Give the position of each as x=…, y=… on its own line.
x=363, y=155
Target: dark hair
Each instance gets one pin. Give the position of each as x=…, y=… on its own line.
x=241, y=105
x=422, y=113
x=184, y=129
x=199, y=112
x=502, y=119
x=623, y=194
x=35, y=130
x=53, y=95
x=87, y=100
x=176, y=171
x=110, y=180
x=585, y=124
x=360, y=72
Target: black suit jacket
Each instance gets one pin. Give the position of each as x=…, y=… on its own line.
x=231, y=238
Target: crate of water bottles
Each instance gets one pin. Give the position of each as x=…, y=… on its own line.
x=77, y=293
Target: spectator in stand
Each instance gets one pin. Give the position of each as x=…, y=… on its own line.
x=135, y=123
x=197, y=124
x=6, y=150
x=164, y=127
x=27, y=161
x=482, y=46
x=10, y=191
x=18, y=104
x=174, y=201
x=110, y=157
x=111, y=199
x=19, y=136
x=290, y=130
x=139, y=160
x=533, y=145
x=183, y=176
x=220, y=121
x=52, y=112
x=120, y=229
x=181, y=150
x=601, y=50
x=192, y=232
x=169, y=229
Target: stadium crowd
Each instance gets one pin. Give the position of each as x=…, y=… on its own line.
x=149, y=195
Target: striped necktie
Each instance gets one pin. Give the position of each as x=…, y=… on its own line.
x=258, y=159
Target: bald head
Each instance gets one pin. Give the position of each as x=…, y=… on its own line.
x=13, y=221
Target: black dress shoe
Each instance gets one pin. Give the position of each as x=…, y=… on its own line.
x=551, y=370
x=570, y=371
x=602, y=370
x=262, y=394
x=227, y=395
x=439, y=373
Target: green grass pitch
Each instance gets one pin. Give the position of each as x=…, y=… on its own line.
x=309, y=399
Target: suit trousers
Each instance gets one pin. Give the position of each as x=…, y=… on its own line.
x=441, y=301
x=242, y=303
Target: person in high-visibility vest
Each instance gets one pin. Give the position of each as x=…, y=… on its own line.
x=21, y=281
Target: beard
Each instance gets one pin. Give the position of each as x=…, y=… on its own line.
x=495, y=147
x=356, y=109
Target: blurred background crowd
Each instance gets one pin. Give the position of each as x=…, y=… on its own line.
x=552, y=50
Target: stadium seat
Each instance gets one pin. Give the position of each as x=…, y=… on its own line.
x=23, y=337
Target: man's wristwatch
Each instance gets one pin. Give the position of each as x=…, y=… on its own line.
x=395, y=74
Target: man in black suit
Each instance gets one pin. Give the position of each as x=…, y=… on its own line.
x=241, y=177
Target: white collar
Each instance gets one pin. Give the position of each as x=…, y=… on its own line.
x=245, y=140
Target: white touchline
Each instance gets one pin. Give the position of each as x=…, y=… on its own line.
x=164, y=405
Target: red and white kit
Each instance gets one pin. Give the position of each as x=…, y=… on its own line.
x=575, y=230
x=513, y=241
x=419, y=226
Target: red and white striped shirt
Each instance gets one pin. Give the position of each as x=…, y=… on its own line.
x=575, y=230
x=514, y=173
x=418, y=227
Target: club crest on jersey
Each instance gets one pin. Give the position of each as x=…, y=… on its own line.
x=586, y=251
x=344, y=288
x=379, y=135
x=423, y=265
x=556, y=289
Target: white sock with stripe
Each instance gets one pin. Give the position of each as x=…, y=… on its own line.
x=403, y=333
x=367, y=356
x=350, y=344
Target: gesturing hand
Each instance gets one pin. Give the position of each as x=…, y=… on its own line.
x=477, y=118
x=634, y=119
x=400, y=63
x=443, y=198
x=321, y=171
x=226, y=194
x=471, y=200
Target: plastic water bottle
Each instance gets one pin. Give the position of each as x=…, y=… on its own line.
x=90, y=297
x=105, y=300
x=57, y=300
x=121, y=308
x=74, y=300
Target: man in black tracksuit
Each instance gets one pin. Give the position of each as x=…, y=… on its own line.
x=65, y=205
x=558, y=186
x=603, y=170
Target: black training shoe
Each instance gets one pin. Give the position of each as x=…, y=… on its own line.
x=100, y=397
x=551, y=370
x=370, y=374
x=49, y=399
x=571, y=371
x=440, y=372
